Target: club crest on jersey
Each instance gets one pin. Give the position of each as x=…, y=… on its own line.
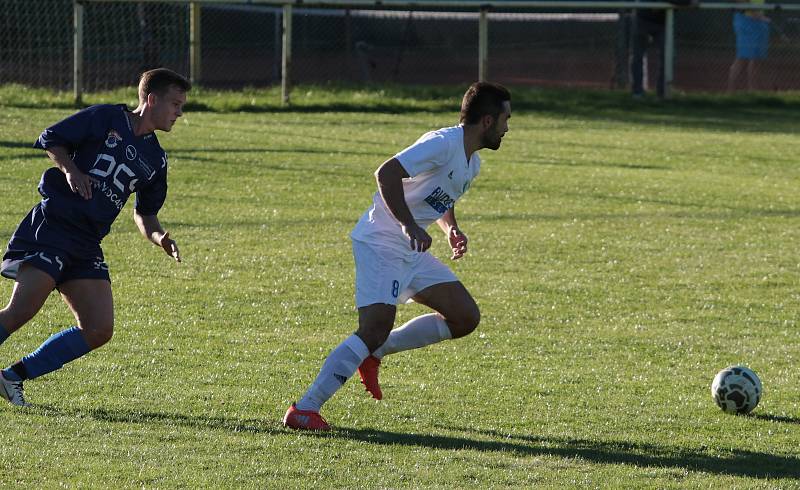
x=112, y=138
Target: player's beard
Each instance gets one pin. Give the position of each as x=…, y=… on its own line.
x=491, y=138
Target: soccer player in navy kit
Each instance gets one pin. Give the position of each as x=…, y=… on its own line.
x=416, y=188
x=101, y=156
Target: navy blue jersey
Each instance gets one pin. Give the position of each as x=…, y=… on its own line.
x=101, y=142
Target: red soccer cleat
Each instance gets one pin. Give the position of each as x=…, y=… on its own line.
x=304, y=419
x=368, y=370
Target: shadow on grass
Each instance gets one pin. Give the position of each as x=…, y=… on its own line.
x=399, y=107
x=27, y=145
x=776, y=418
x=740, y=463
x=763, y=114
x=169, y=419
x=23, y=156
x=563, y=162
x=759, y=112
x=264, y=151
x=16, y=144
x=741, y=112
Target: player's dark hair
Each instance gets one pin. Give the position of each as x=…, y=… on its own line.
x=483, y=99
x=159, y=81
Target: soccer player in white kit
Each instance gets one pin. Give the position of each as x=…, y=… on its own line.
x=416, y=187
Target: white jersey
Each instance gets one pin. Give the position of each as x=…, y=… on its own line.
x=439, y=173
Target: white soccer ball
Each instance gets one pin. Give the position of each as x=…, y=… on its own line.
x=736, y=389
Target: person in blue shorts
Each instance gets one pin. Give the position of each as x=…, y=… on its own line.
x=101, y=155
x=752, y=40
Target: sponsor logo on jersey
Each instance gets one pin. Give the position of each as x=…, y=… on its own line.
x=450, y=175
x=440, y=200
x=130, y=152
x=117, y=200
x=112, y=138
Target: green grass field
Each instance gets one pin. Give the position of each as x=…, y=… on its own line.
x=621, y=254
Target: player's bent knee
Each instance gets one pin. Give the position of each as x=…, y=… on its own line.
x=97, y=335
x=373, y=340
x=466, y=324
x=373, y=337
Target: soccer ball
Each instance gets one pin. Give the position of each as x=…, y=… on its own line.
x=736, y=390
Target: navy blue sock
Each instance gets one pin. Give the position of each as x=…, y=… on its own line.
x=3, y=334
x=15, y=372
x=56, y=351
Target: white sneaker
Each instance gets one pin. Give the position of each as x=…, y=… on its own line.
x=12, y=391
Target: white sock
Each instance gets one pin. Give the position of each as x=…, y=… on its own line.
x=341, y=363
x=418, y=332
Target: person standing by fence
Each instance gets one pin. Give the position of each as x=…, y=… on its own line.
x=649, y=29
x=752, y=40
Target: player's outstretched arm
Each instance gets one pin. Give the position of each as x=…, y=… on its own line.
x=390, y=177
x=151, y=229
x=457, y=240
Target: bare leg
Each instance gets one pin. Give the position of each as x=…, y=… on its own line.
x=456, y=315
x=454, y=303
x=374, y=324
x=31, y=290
x=92, y=304
x=752, y=72
x=734, y=73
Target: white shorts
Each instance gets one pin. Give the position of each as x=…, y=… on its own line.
x=384, y=275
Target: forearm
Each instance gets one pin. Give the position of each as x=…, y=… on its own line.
x=60, y=157
x=448, y=221
x=149, y=227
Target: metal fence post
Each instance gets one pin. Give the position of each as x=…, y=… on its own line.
x=669, y=52
x=622, y=50
x=77, y=51
x=483, y=45
x=276, y=55
x=195, y=67
x=286, y=58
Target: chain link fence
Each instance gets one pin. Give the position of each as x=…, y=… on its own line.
x=240, y=45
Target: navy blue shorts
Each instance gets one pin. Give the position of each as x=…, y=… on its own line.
x=51, y=248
